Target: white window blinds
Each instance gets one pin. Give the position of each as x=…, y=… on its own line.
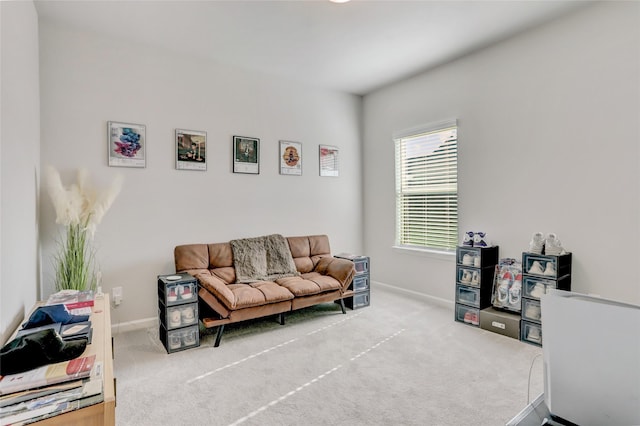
x=427, y=187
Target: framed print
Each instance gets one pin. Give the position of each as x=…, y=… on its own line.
x=191, y=150
x=127, y=144
x=290, y=158
x=246, y=155
x=328, y=160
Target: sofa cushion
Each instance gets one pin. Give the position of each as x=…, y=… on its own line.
x=258, y=293
x=307, y=251
x=309, y=284
x=191, y=256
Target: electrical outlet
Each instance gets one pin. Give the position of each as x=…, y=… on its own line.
x=116, y=295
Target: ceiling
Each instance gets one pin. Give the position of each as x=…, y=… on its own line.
x=355, y=47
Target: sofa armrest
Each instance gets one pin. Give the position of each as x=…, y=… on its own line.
x=341, y=269
x=218, y=288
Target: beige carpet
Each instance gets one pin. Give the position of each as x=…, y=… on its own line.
x=401, y=361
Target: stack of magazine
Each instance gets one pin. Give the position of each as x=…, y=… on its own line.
x=54, y=389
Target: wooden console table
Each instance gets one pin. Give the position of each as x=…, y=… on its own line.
x=102, y=413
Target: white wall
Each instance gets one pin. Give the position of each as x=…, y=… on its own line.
x=20, y=157
x=88, y=80
x=549, y=131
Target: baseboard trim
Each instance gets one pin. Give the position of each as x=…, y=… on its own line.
x=123, y=327
x=152, y=322
x=437, y=300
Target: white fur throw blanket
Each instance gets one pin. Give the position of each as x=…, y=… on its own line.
x=262, y=259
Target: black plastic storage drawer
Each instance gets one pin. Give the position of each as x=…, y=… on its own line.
x=468, y=315
x=360, y=263
x=178, y=316
x=546, y=265
x=180, y=339
x=177, y=289
x=360, y=283
x=359, y=300
x=531, y=332
x=477, y=257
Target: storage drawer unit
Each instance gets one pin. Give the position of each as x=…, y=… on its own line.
x=178, y=312
x=360, y=284
x=474, y=278
x=541, y=273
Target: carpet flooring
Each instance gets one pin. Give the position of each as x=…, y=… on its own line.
x=401, y=361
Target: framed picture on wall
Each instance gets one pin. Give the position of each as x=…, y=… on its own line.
x=126, y=144
x=191, y=150
x=290, y=158
x=328, y=160
x=246, y=155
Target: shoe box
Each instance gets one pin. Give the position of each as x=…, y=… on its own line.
x=531, y=333
x=180, y=339
x=178, y=291
x=359, y=300
x=501, y=322
x=548, y=266
x=468, y=315
x=477, y=257
x=178, y=316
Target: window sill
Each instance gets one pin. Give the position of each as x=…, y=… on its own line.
x=432, y=253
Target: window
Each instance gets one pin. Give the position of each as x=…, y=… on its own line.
x=427, y=187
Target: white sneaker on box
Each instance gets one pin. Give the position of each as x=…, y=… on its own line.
x=475, y=278
x=466, y=277
x=552, y=245
x=467, y=259
x=537, y=243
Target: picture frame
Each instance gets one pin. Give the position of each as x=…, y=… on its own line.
x=191, y=150
x=329, y=160
x=246, y=155
x=290, y=158
x=126, y=144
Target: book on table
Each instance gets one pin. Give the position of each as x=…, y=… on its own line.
x=72, y=299
x=51, y=374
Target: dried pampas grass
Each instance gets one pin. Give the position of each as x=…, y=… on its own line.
x=80, y=208
x=80, y=204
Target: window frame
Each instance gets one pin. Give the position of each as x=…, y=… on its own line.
x=434, y=127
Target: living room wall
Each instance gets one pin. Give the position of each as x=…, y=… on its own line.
x=548, y=141
x=20, y=157
x=88, y=80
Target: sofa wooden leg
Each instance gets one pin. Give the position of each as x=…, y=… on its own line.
x=281, y=318
x=218, y=336
x=344, y=310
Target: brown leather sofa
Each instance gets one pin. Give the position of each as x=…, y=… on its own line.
x=322, y=279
